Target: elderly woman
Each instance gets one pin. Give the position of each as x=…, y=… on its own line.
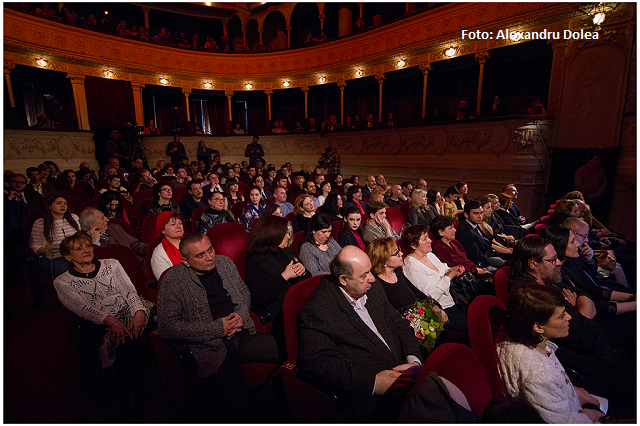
x=419, y=213
x=430, y=275
x=47, y=233
x=101, y=292
x=303, y=211
x=254, y=209
x=527, y=362
x=272, y=269
x=447, y=248
x=332, y=206
x=167, y=253
x=318, y=248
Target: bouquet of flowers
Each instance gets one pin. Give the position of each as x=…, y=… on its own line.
x=427, y=323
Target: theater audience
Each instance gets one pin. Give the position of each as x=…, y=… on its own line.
x=215, y=214
x=430, y=276
x=254, y=209
x=447, y=248
x=318, y=248
x=162, y=193
x=57, y=223
x=166, y=254
x=377, y=225
x=487, y=230
x=477, y=246
x=303, y=211
x=528, y=365
x=495, y=221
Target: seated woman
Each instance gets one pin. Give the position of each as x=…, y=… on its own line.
x=100, y=291
x=231, y=191
x=450, y=197
x=152, y=129
x=324, y=190
x=168, y=170
x=47, y=233
x=332, y=206
x=435, y=203
x=448, y=249
x=318, y=248
x=528, y=366
x=113, y=184
x=487, y=230
x=271, y=269
x=495, y=221
x=337, y=181
x=159, y=167
x=85, y=181
x=167, y=253
x=298, y=185
x=70, y=180
x=303, y=211
x=109, y=205
x=351, y=232
x=419, y=213
x=254, y=209
x=272, y=209
x=354, y=199
x=431, y=276
x=378, y=194
x=505, y=204
x=355, y=180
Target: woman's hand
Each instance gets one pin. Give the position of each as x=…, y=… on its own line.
x=137, y=324
x=456, y=271
x=118, y=328
x=481, y=271
x=442, y=314
x=293, y=270
x=585, y=397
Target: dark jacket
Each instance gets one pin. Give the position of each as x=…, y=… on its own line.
x=157, y=208
x=212, y=218
x=476, y=246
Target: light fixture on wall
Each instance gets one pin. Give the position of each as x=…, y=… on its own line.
x=515, y=35
x=207, y=85
x=598, y=11
x=359, y=73
x=450, y=51
x=286, y=84
x=401, y=63
x=248, y=86
x=322, y=79
x=164, y=81
x=108, y=73
x=42, y=62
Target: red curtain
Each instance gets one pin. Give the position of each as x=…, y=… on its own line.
x=109, y=102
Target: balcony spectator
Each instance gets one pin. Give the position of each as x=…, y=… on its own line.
x=152, y=129
x=463, y=110
x=370, y=123
x=311, y=127
x=388, y=121
x=238, y=130
x=298, y=128
x=349, y=124
x=535, y=107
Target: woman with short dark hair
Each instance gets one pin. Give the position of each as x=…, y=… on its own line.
x=318, y=248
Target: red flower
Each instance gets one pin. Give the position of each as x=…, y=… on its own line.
x=420, y=311
x=419, y=335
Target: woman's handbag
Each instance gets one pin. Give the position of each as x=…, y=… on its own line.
x=464, y=289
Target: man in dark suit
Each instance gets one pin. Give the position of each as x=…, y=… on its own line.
x=46, y=190
x=352, y=341
x=475, y=243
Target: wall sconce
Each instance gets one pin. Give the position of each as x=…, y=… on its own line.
x=359, y=73
x=164, y=81
x=401, y=63
x=208, y=85
x=286, y=84
x=598, y=11
x=322, y=79
x=108, y=74
x=42, y=62
x=515, y=35
x=248, y=86
x=450, y=51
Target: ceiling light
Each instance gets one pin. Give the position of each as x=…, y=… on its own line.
x=599, y=18
x=248, y=86
x=286, y=84
x=108, y=74
x=401, y=63
x=41, y=62
x=322, y=79
x=164, y=81
x=450, y=51
x=359, y=73
x=208, y=85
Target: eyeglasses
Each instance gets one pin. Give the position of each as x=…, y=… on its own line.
x=20, y=182
x=166, y=189
x=552, y=261
x=397, y=253
x=584, y=236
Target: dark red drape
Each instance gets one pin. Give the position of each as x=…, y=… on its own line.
x=109, y=102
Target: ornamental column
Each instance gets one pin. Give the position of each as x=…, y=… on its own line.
x=260, y=35
x=321, y=15
x=269, y=92
x=244, y=37
x=229, y=95
x=557, y=76
x=8, y=67
x=305, y=90
x=380, y=77
x=481, y=57
x=145, y=11
x=137, y=102
x=425, y=68
x=225, y=22
x=344, y=21
x=80, y=100
x=186, y=93
x=289, y=36
x=342, y=84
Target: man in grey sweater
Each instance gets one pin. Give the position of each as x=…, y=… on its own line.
x=204, y=302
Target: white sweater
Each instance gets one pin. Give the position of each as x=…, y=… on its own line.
x=428, y=281
x=540, y=380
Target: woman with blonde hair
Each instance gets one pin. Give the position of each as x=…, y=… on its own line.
x=418, y=212
x=378, y=193
x=159, y=167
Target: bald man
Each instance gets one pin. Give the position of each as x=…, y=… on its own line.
x=370, y=186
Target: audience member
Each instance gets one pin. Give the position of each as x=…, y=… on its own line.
x=109, y=205
x=113, y=184
x=102, y=233
x=535, y=107
x=159, y=166
x=487, y=230
x=161, y=200
x=377, y=225
x=351, y=230
x=233, y=196
x=378, y=194
x=254, y=209
x=299, y=185
x=512, y=192
x=463, y=111
x=303, y=211
x=147, y=181
x=449, y=208
x=175, y=150
x=46, y=190
x=166, y=254
x=475, y=243
x=333, y=206
x=117, y=147
x=421, y=184
x=407, y=188
x=215, y=214
x=152, y=129
x=463, y=188
x=254, y=150
x=397, y=198
x=264, y=192
x=17, y=185
x=447, y=248
x=204, y=154
x=318, y=248
x=324, y=190
x=494, y=110
x=331, y=159
x=280, y=195
x=370, y=185
x=419, y=213
x=354, y=199
x=191, y=201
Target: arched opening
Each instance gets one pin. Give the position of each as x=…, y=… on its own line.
x=304, y=20
x=274, y=35
x=234, y=30
x=252, y=36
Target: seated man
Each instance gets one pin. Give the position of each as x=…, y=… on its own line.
x=103, y=233
x=146, y=180
x=204, y=302
x=397, y=197
x=407, y=188
x=310, y=188
x=264, y=192
x=352, y=341
x=586, y=349
x=215, y=214
x=191, y=201
x=370, y=186
x=377, y=226
x=511, y=190
x=161, y=200
x=280, y=195
x=182, y=179
x=305, y=172
x=476, y=245
x=251, y=174
x=45, y=189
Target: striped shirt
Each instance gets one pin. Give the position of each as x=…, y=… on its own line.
x=61, y=230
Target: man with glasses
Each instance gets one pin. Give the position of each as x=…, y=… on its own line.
x=264, y=193
x=17, y=192
x=162, y=193
x=146, y=180
x=215, y=214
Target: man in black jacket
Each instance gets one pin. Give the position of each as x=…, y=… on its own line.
x=215, y=214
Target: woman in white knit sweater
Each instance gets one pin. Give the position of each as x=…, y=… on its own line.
x=528, y=365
